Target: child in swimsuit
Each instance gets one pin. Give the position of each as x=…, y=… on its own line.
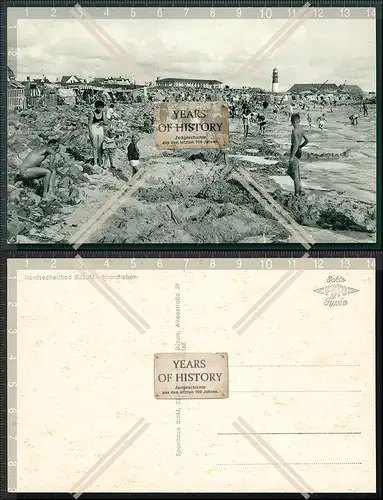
x=134, y=154
x=262, y=124
x=109, y=147
x=321, y=121
x=246, y=114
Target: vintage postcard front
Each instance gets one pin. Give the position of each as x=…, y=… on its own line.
x=282, y=350
x=201, y=132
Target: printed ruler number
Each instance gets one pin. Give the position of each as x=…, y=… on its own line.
x=239, y=13
x=266, y=264
x=318, y=13
x=266, y=13
x=345, y=264
x=133, y=264
x=212, y=263
x=371, y=263
x=291, y=12
x=159, y=263
x=186, y=263
x=370, y=12
x=53, y=263
x=53, y=12
x=186, y=11
x=239, y=264
x=132, y=12
x=106, y=13
x=159, y=12
x=345, y=13
x=212, y=12
x=318, y=264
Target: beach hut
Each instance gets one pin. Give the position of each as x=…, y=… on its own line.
x=16, y=96
x=15, y=92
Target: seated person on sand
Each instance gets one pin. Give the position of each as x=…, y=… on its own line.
x=111, y=112
x=297, y=135
x=97, y=120
x=31, y=167
x=353, y=119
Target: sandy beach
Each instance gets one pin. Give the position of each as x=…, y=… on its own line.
x=184, y=201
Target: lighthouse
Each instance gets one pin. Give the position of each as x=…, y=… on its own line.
x=274, y=87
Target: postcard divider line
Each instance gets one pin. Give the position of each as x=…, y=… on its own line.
x=194, y=264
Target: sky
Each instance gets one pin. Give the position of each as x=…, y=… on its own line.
x=143, y=49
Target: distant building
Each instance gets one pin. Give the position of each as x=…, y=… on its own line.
x=353, y=90
x=188, y=82
x=40, y=81
x=323, y=88
x=258, y=90
x=70, y=80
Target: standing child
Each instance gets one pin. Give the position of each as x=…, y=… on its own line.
x=262, y=124
x=246, y=114
x=321, y=119
x=134, y=154
x=309, y=119
x=109, y=147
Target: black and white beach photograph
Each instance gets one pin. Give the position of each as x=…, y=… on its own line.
x=297, y=99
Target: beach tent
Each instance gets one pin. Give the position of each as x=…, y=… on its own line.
x=68, y=96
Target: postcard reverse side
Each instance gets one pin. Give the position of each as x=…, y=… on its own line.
x=291, y=358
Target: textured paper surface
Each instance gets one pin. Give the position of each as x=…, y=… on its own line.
x=191, y=375
x=188, y=125
x=302, y=375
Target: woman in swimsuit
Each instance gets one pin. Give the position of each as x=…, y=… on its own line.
x=96, y=131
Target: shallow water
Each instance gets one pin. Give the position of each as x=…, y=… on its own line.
x=259, y=160
x=286, y=183
x=353, y=176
